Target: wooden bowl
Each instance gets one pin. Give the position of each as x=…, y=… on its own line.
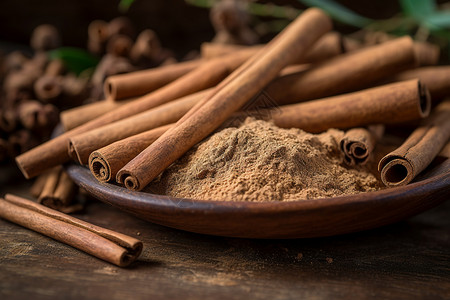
x=295, y=219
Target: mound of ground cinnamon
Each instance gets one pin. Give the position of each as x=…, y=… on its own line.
x=258, y=161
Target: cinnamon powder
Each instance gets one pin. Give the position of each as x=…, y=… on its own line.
x=258, y=161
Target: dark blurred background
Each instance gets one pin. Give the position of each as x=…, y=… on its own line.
x=180, y=26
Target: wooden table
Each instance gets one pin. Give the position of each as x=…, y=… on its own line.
x=407, y=260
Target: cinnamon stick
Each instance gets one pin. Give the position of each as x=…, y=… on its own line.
x=81, y=145
x=358, y=143
x=104, y=163
x=345, y=73
x=38, y=184
x=8, y=122
x=388, y=104
x=54, y=152
x=79, y=115
x=138, y=83
x=427, y=54
x=402, y=165
x=228, y=97
x=330, y=45
x=36, y=116
x=97, y=36
x=105, y=244
x=59, y=191
x=48, y=88
x=437, y=79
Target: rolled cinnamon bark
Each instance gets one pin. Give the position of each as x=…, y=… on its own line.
x=445, y=152
x=20, y=141
x=437, y=79
x=97, y=36
x=388, y=104
x=119, y=45
x=345, y=73
x=81, y=145
x=38, y=184
x=330, y=45
x=290, y=45
x=107, y=161
x=54, y=152
x=35, y=115
x=138, y=83
x=358, y=143
x=77, y=116
x=8, y=120
x=48, y=88
x=58, y=191
x=55, y=68
x=402, y=165
x=427, y=54
x=105, y=244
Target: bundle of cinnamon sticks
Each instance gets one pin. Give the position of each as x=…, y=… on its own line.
x=307, y=77
x=133, y=141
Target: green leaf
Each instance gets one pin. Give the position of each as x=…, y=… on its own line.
x=339, y=12
x=438, y=19
x=418, y=8
x=124, y=5
x=76, y=60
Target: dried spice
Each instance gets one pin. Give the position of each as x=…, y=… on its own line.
x=261, y=162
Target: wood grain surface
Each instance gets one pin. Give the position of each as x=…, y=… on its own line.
x=406, y=260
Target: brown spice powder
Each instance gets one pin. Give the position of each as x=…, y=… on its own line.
x=258, y=161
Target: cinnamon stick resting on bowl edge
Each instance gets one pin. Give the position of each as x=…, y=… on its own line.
x=402, y=165
x=114, y=247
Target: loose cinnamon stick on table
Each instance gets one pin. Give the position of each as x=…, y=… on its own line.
x=54, y=152
x=420, y=148
x=389, y=104
x=114, y=247
x=81, y=145
x=134, y=84
x=358, y=143
x=79, y=115
x=437, y=79
x=289, y=46
x=104, y=163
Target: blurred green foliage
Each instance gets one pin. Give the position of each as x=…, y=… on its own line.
x=76, y=60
